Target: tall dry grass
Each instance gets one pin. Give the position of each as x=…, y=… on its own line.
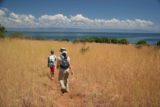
x=105, y=75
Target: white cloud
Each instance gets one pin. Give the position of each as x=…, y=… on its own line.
x=59, y=20
x=2, y=16
x=21, y=20
x=53, y=20
x=80, y=20
x=2, y=13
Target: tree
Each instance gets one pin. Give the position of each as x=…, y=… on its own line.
x=2, y=31
x=142, y=42
x=123, y=41
x=114, y=40
x=158, y=43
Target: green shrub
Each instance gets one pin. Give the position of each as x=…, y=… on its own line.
x=97, y=40
x=65, y=39
x=114, y=40
x=106, y=40
x=90, y=39
x=103, y=40
x=84, y=49
x=39, y=38
x=123, y=41
x=2, y=31
x=78, y=40
x=158, y=43
x=142, y=42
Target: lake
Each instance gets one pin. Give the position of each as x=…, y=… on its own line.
x=151, y=38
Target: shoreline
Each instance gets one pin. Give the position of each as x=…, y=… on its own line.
x=151, y=38
x=72, y=42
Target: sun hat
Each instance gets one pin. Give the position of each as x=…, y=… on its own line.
x=64, y=52
x=62, y=49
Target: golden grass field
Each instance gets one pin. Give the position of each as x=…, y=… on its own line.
x=105, y=75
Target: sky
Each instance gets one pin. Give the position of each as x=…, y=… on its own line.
x=96, y=14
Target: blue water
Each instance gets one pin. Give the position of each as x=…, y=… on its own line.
x=151, y=38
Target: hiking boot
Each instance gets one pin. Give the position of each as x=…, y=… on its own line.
x=63, y=90
x=67, y=90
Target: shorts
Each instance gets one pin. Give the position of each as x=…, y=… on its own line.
x=52, y=68
x=63, y=74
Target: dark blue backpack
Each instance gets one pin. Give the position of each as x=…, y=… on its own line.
x=64, y=64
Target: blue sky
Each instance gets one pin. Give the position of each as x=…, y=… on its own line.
x=109, y=14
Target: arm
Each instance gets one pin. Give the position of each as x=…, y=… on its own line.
x=55, y=64
x=58, y=63
x=70, y=67
x=55, y=58
x=48, y=61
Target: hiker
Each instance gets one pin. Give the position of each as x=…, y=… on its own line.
x=51, y=63
x=64, y=66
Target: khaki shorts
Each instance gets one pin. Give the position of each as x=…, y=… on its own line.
x=63, y=74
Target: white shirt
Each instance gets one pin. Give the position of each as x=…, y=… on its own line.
x=52, y=58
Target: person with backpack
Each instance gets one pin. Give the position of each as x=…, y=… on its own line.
x=52, y=63
x=64, y=66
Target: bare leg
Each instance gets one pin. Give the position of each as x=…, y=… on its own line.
x=62, y=82
x=66, y=81
x=52, y=75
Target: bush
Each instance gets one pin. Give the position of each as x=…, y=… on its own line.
x=114, y=40
x=123, y=41
x=106, y=40
x=78, y=40
x=2, y=31
x=90, y=39
x=84, y=49
x=39, y=38
x=65, y=39
x=158, y=43
x=142, y=42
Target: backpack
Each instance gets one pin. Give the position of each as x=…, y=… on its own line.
x=64, y=63
x=51, y=60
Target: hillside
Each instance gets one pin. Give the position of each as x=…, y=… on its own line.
x=105, y=75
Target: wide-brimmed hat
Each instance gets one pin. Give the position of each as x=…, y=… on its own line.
x=64, y=52
x=62, y=49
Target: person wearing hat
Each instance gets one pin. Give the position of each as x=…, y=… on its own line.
x=62, y=49
x=64, y=66
x=51, y=63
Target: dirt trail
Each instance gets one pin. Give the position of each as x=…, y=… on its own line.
x=64, y=99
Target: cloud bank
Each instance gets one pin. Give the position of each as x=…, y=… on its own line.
x=14, y=20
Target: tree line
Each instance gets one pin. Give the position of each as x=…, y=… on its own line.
x=103, y=40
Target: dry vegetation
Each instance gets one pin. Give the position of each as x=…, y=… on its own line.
x=105, y=75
